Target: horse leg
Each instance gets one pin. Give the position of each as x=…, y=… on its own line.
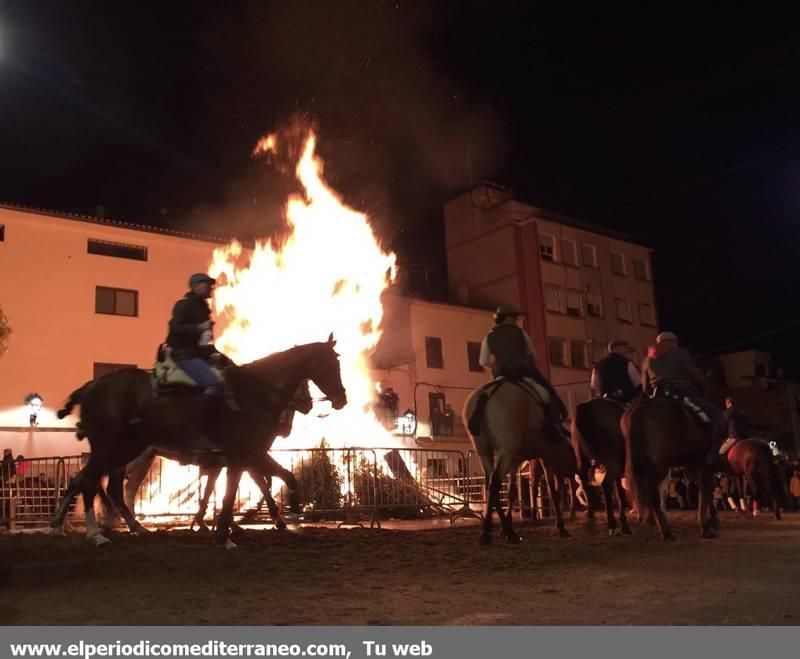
x=623, y=505
x=552, y=485
x=608, y=496
x=137, y=471
x=115, y=485
x=491, y=492
x=704, y=502
x=773, y=486
x=75, y=486
x=274, y=468
x=225, y=518
x=211, y=483
x=653, y=502
x=265, y=483
x=91, y=484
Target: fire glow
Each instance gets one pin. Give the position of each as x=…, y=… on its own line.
x=327, y=276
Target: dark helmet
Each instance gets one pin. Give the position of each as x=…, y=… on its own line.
x=504, y=311
x=200, y=277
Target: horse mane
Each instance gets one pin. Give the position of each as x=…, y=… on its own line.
x=281, y=362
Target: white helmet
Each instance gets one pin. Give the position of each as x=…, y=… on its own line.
x=666, y=336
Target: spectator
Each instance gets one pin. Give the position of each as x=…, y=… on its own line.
x=718, y=497
x=794, y=487
x=8, y=467
x=22, y=465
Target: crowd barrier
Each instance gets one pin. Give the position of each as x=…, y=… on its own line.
x=355, y=485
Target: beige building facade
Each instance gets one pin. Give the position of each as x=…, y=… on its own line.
x=580, y=286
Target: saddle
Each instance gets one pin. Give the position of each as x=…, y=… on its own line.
x=694, y=410
x=535, y=391
x=169, y=377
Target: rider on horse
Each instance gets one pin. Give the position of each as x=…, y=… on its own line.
x=508, y=350
x=190, y=339
x=670, y=370
x=735, y=423
x=615, y=377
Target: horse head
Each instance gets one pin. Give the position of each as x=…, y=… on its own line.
x=326, y=373
x=302, y=401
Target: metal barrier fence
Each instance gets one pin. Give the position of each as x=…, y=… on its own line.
x=347, y=485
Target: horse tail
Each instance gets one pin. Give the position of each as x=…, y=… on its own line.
x=72, y=400
x=582, y=422
x=637, y=471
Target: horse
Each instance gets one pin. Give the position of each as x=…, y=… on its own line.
x=121, y=417
x=661, y=433
x=512, y=430
x=137, y=470
x=558, y=466
x=751, y=461
x=597, y=440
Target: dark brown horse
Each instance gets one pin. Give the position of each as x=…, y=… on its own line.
x=557, y=465
x=212, y=462
x=121, y=417
x=751, y=460
x=597, y=441
x=661, y=433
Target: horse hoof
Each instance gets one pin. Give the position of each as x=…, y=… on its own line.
x=99, y=540
x=58, y=531
x=237, y=530
x=138, y=529
x=513, y=539
x=280, y=525
x=563, y=533
x=668, y=538
x=202, y=527
x=708, y=534
x=614, y=532
x=626, y=530
x=485, y=540
x=229, y=544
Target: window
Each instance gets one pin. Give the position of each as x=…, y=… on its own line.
x=547, y=247
x=473, y=357
x=441, y=422
x=618, y=263
x=569, y=253
x=578, y=354
x=556, y=351
x=436, y=467
x=589, y=255
x=101, y=369
x=2, y=232
x=433, y=352
x=552, y=298
x=574, y=303
x=623, y=310
x=119, y=250
x=647, y=315
x=594, y=305
x=598, y=350
x=640, y=269
x=116, y=301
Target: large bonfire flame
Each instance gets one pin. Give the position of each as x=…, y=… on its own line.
x=327, y=276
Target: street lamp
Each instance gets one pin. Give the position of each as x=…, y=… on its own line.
x=34, y=403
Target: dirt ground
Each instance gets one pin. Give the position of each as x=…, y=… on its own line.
x=750, y=575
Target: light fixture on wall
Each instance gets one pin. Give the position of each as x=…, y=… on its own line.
x=34, y=403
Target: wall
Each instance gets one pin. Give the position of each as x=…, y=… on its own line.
x=48, y=295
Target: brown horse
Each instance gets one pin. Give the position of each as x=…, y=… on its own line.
x=597, y=440
x=511, y=432
x=751, y=461
x=121, y=417
x=660, y=433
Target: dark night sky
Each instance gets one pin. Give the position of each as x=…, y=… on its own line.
x=680, y=127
